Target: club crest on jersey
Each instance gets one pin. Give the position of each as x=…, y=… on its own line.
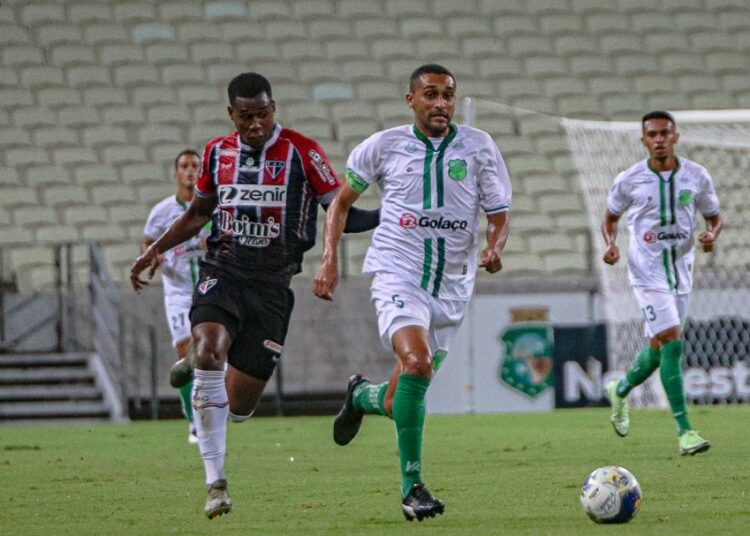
x=686, y=197
x=411, y=147
x=275, y=167
x=207, y=285
x=457, y=169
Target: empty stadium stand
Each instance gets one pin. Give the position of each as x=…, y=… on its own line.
x=96, y=98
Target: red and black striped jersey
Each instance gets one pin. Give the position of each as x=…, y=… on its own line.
x=267, y=200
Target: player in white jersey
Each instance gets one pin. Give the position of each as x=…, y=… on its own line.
x=179, y=265
x=434, y=178
x=661, y=195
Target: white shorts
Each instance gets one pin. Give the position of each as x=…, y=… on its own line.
x=178, y=316
x=661, y=309
x=398, y=304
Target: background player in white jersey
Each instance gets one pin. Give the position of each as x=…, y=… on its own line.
x=434, y=177
x=661, y=195
x=179, y=265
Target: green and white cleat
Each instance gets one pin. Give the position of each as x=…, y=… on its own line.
x=218, y=502
x=691, y=443
x=620, y=410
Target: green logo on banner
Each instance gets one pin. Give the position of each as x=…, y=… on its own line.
x=686, y=197
x=527, y=365
x=457, y=169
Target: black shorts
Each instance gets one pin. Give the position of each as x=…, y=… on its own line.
x=256, y=315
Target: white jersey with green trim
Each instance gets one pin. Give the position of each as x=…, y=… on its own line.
x=180, y=266
x=432, y=190
x=662, y=219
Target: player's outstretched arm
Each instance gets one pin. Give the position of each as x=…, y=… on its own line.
x=328, y=274
x=183, y=228
x=708, y=237
x=609, y=232
x=497, y=236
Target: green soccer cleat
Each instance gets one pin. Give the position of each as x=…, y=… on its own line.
x=182, y=371
x=218, y=502
x=620, y=411
x=691, y=443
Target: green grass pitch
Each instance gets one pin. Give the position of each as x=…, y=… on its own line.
x=498, y=474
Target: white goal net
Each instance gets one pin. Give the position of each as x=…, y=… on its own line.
x=718, y=330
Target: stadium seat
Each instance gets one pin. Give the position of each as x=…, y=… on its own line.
x=13, y=34
x=82, y=13
x=197, y=32
x=150, y=194
x=355, y=130
x=41, y=12
x=172, y=114
x=392, y=48
x=403, y=8
x=120, y=154
x=546, y=66
x=727, y=63
x=105, y=96
x=152, y=32
x=54, y=35
x=134, y=11
x=55, y=137
x=225, y=10
x=527, y=45
x=269, y=9
x=128, y=213
x=83, y=76
x=132, y=76
x=683, y=63
x=346, y=49
x=555, y=204
x=314, y=9
x=326, y=29
x=93, y=174
x=142, y=174
x=22, y=56
x=102, y=232
x=313, y=72
x=418, y=27
x=708, y=41
x=179, y=74
x=208, y=53
x=59, y=195
x=166, y=53
x=78, y=215
x=560, y=24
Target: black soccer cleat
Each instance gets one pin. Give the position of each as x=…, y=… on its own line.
x=349, y=419
x=419, y=504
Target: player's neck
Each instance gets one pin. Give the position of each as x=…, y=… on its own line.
x=185, y=195
x=663, y=164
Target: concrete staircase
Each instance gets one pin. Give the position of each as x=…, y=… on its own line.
x=54, y=388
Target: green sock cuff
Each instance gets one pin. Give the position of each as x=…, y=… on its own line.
x=643, y=366
x=413, y=384
x=186, y=400
x=672, y=350
x=370, y=398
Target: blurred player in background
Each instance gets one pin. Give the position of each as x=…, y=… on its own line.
x=262, y=185
x=661, y=195
x=179, y=265
x=434, y=178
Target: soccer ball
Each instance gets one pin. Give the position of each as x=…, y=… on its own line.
x=611, y=494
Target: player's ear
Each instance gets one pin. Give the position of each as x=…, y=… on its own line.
x=273, y=106
x=409, y=100
x=229, y=111
x=676, y=137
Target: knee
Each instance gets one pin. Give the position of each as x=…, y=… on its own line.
x=417, y=364
x=667, y=336
x=207, y=356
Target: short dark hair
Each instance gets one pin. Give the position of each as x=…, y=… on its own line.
x=658, y=114
x=429, y=68
x=248, y=85
x=183, y=153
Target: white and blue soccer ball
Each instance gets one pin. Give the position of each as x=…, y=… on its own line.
x=611, y=494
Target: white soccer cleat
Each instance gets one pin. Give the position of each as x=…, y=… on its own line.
x=620, y=411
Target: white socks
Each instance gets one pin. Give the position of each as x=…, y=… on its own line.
x=211, y=410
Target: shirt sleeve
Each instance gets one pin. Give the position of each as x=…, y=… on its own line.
x=619, y=199
x=363, y=164
x=205, y=186
x=495, y=191
x=155, y=224
x=318, y=169
x=706, y=201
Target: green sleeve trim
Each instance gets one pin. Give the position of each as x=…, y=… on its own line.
x=357, y=183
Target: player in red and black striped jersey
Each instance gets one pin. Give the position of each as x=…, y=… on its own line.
x=261, y=185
